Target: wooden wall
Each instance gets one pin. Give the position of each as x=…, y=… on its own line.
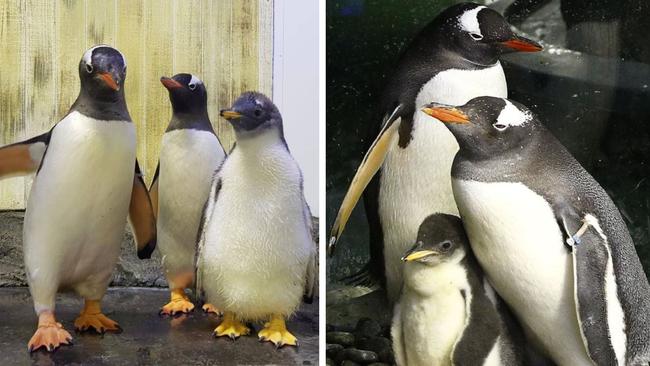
x=226, y=43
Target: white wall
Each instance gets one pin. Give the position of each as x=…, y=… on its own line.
x=295, y=84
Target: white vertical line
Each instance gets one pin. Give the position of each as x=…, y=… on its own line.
x=321, y=179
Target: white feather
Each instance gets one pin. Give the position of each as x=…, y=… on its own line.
x=518, y=243
x=410, y=188
x=188, y=161
x=468, y=21
x=432, y=312
x=513, y=116
x=257, y=247
x=77, y=208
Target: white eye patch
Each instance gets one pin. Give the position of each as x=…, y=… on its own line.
x=511, y=116
x=468, y=21
x=194, y=80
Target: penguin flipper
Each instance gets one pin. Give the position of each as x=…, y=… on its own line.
x=208, y=208
x=153, y=191
x=23, y=157
x=141, y=216
x=311, y=283
x=372, y=161
x=481, y=332
x=592, y=264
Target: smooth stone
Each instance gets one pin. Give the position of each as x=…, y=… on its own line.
x=342, y=338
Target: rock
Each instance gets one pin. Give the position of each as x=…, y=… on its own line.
x=343, y=338
x=330, y=362
x=361, y=356
x=367, y=327
x=380, y=364
x=334, y=351
x=349, y=363
x=380, y=345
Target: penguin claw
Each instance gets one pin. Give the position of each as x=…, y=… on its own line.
x=209, y=308
x=50, y=337
x=231, y=328
x=177, y=307
x=98, y=322
x=277, y=333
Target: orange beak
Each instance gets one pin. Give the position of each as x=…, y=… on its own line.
x=108, y=79
x=446, y=114
x=170, y=83
x=522, y=44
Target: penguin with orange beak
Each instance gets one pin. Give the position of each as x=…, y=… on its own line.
x=407, y=168
x=87, y=182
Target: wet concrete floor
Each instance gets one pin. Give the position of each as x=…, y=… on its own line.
x=147, y=338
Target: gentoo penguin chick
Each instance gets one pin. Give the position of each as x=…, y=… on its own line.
x=452, y=60
x=84, y=188
x=549, y=238
x=448, y=314
x=256, y=254
x=190, y=154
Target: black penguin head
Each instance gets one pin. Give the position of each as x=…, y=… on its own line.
x=477, y=33
x=486, y=127
x=441, y=239
x=186, y=93
x=102, y=71
x=253, y=113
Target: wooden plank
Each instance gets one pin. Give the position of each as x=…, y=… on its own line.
x=131, y=42
x=70, y=46
x=265, y=47
x=12, y=123
x=217, y=64
x=188, y=37
x=159, y=57
x=100, y=22
x=41, y=99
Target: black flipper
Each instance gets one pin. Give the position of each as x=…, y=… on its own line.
x=208, y=207
x=591, y=262
x=153, y=191
x=23, y=157
x=371, y=162
x=141, y=216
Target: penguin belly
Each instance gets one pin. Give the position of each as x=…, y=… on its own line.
x=432, y=314
x=188, y=161
x=257, y=245
x=516, y=238
x=416, y=180
x=77, y=209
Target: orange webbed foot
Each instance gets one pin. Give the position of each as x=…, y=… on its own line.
x=49, y=334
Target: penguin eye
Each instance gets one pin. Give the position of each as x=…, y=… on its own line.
x=476, y=36
x=445, y=246
x=89, y=68
x=258, y=112
x=499, y=126
x=192, y=86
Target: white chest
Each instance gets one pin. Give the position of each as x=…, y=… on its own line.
x=415, y=181
x=434, y=313
x=515, y=236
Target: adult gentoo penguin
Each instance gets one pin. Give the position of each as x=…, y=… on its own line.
x=256, y=254
x=84, y=188
x=447, y=313
x=550, y=240
x=190, y=154
x=453, y=59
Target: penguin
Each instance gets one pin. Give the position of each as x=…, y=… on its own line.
x=256, y=256
x=549, y=238
x=190, y=154
x=447, y=313
x=452, y=60
x=87, y=182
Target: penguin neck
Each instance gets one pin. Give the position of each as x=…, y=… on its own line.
x=195, y=120
x=258, y=143
x=442, y=278
x=106, y=108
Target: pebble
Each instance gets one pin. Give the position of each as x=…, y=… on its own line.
x=343, y=338
x=380, y=345
x=367, y=327
x=361, y=356
x=349, y=363
x=329, y=362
